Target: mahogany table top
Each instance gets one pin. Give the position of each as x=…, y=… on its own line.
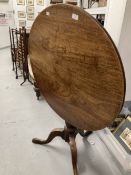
x=77, y=67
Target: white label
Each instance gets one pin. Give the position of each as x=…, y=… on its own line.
x=75, y=16
x=47, y=13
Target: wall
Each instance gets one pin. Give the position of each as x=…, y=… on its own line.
x=114, y=18
x=13, y=8
x=125, y=48
x=37, y=9
x=4, y=30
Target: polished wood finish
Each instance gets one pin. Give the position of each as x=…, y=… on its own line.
x=77, y=67
x=68, y=134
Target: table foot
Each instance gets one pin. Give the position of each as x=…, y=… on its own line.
x=68, y=134
x=52, y=135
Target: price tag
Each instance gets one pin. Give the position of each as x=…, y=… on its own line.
x=75, y=16
x=47, y=13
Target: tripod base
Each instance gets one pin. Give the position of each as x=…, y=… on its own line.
x=68, y=134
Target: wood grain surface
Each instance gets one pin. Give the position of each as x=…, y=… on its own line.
x=77, y=67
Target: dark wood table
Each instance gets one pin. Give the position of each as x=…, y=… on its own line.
x=78, y=69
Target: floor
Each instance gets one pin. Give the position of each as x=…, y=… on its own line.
x=22, y=117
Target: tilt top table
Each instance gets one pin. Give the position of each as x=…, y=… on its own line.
x=79, y=71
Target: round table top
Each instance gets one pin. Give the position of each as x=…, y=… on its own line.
x=77, y=67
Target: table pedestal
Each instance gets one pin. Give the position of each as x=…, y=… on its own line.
x=68, y=133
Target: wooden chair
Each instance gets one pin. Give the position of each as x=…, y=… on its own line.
x=20, y=58
x=23, y=52
x=14, y=49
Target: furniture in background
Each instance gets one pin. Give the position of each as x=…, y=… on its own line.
x=56, y=1
x=72, y=2
x=100, y=18
x=13, y=49
x=19, y=52
x=20, y=59
x=23, y=54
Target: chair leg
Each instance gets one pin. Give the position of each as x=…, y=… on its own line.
x=13, y=66
x=16, y=71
